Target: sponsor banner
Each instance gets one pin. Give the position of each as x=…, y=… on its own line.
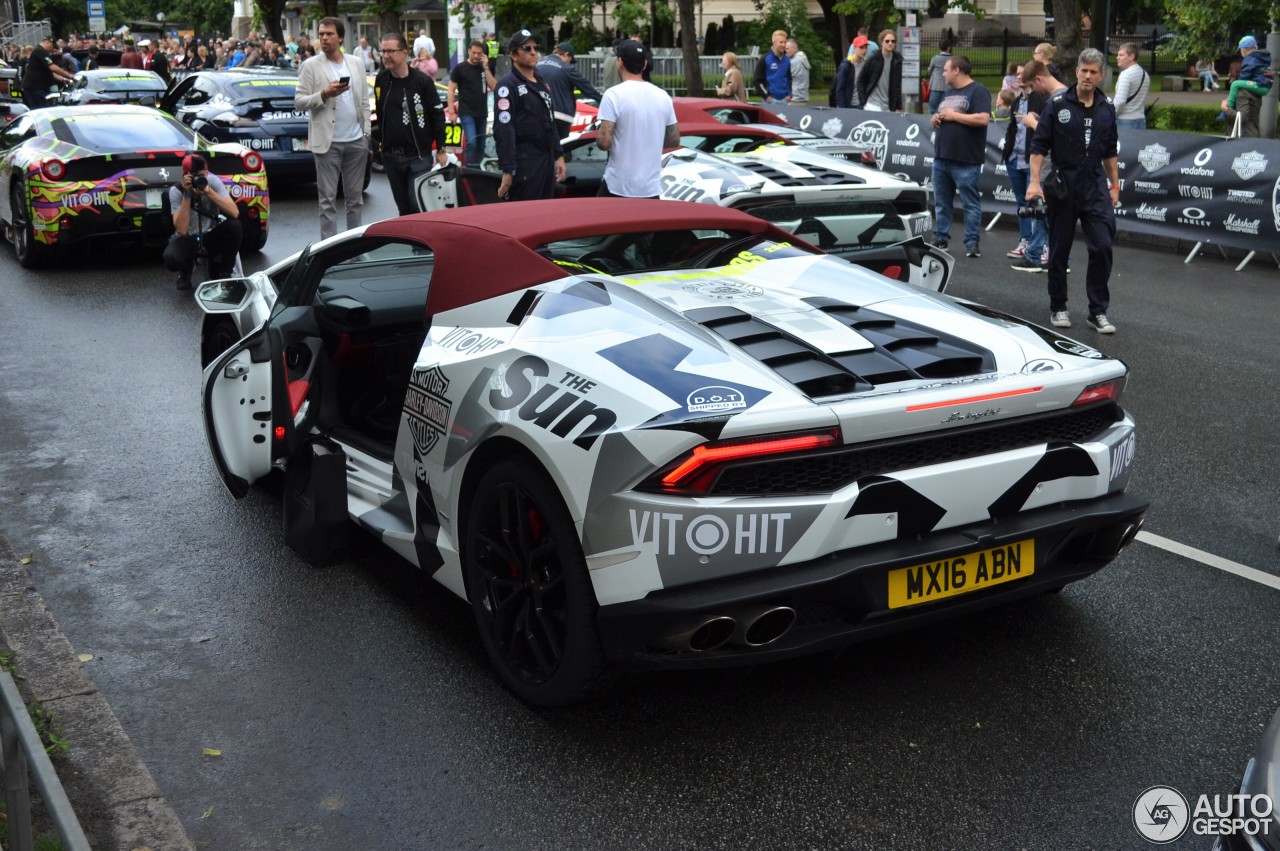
x=1179, y=185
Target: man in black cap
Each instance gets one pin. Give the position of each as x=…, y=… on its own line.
x=559, y=70
x=524, y=130
x=42, y=71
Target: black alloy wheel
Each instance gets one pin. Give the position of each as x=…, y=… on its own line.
x=221, y=336
x=528, y=585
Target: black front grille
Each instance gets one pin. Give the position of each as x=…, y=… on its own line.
x=829, y=471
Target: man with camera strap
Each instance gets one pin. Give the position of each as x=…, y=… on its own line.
x=203, y=212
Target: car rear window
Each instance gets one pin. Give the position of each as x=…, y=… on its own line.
x=130, y=83
x=118, y=133
x=264, y=89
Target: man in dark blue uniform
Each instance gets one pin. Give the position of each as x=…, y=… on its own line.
x=1078, y=130
x=524, y=129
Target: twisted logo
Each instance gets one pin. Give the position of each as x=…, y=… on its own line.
x=1160, y=815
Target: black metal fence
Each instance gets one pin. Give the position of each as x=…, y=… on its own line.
x=991, y=53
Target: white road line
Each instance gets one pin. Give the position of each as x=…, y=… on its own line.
x=1210, y=559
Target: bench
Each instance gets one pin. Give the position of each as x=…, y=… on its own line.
x=1179, y=83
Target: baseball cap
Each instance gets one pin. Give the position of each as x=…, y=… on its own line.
x=860, y=41
x=513, y=44
x=632, y=55
x=146, y=42
x=564, y=47
x=1247, y=43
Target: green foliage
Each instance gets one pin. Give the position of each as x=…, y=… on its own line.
x=1211, y=27
x=8, y=661
x=46, y=724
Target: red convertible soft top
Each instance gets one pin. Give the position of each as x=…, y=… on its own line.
x=488, y=250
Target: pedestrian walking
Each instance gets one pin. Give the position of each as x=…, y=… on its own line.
x=880, y=83
x=468, y=99
x=1078, y=129
x=334, y=92
x=1132, y=86
x=411, y=119
x=960, y=142
x=773, y=71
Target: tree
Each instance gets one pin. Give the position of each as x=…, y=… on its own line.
x=1068, y=37
x=1212, y=28
x=689, y=49
x=270, y=12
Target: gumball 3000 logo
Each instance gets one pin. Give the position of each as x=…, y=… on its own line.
x=875, y=136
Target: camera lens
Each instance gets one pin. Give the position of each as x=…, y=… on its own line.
x=199, y=181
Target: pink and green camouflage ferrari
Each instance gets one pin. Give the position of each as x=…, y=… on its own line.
x=89, y=174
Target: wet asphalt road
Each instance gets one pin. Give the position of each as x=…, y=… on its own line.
x=354, y=708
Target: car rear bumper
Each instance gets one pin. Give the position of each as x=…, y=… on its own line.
x=843, y=598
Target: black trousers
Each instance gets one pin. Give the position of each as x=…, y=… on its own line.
x=400, y=170
x=534, y=180
x=1090, y=205
x=222, y=244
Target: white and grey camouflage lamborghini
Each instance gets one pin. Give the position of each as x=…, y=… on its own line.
x=648, y=434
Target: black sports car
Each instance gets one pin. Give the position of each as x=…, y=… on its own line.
x=251, y=106
x=70, y=176
x=113, y=85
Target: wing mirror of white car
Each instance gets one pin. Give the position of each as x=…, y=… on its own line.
x=226, y=295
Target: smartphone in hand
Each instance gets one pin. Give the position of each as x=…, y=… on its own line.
x=344, y=81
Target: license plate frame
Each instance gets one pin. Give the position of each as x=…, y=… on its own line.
x=960, y=574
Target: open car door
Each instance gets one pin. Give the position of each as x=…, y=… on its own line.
x=261, y=396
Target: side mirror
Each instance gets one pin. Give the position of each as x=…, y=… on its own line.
x=227, y=295
x=147, y=100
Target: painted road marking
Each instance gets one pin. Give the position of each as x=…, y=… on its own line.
x=1210, y=559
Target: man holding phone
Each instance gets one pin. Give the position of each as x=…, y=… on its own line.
x=333, y=90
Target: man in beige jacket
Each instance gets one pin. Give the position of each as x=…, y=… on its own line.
x=333, y=89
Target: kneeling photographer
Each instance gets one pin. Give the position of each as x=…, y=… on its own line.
x=1078, y=130
x=203, y=214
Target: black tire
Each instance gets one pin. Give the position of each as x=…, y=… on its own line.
x=220, y=336
x=25, y=249
x=529, y=589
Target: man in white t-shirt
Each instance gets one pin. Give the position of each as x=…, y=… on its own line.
x=637, y=122
x=334, y=91
x=423, y=42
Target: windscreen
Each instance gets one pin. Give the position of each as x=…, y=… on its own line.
x=839, y=226
x=119, y=133
x=265, y=89
x=130, y=83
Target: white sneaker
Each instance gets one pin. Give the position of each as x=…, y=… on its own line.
x=1061, y=319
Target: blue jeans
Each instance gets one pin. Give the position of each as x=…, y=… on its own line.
x=1131, y=124
x=935, y=99
x=473, y=129
x=1019, y=179
x=949, y=177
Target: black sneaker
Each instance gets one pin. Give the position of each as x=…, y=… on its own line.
x=940, y=243
x=972, y=251
x=1101, y=324
x=1027, y=267
x=184, y=282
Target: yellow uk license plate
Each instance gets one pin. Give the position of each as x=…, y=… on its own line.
x=948, y=577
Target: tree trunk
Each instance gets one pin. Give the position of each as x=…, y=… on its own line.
x=270, y=11
x=689, y=48
x=1069, y=37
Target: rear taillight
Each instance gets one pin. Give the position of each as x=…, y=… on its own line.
x=1107, y=391
x=54, y=169
x=695, y=472
x=252, y=161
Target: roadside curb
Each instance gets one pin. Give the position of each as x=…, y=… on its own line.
x=115, y=798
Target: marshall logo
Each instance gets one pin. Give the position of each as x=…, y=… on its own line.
x=1204, y=192
x=1249, y=165
x=875, y=136
x=1154, y=157
x=1004, y=193
x=1235, y=224
x=1147, y=187
x=1152, y=214
x=427, y=407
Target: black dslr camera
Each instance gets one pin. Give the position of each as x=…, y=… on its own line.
x=201, y=182
x=1033, y=209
